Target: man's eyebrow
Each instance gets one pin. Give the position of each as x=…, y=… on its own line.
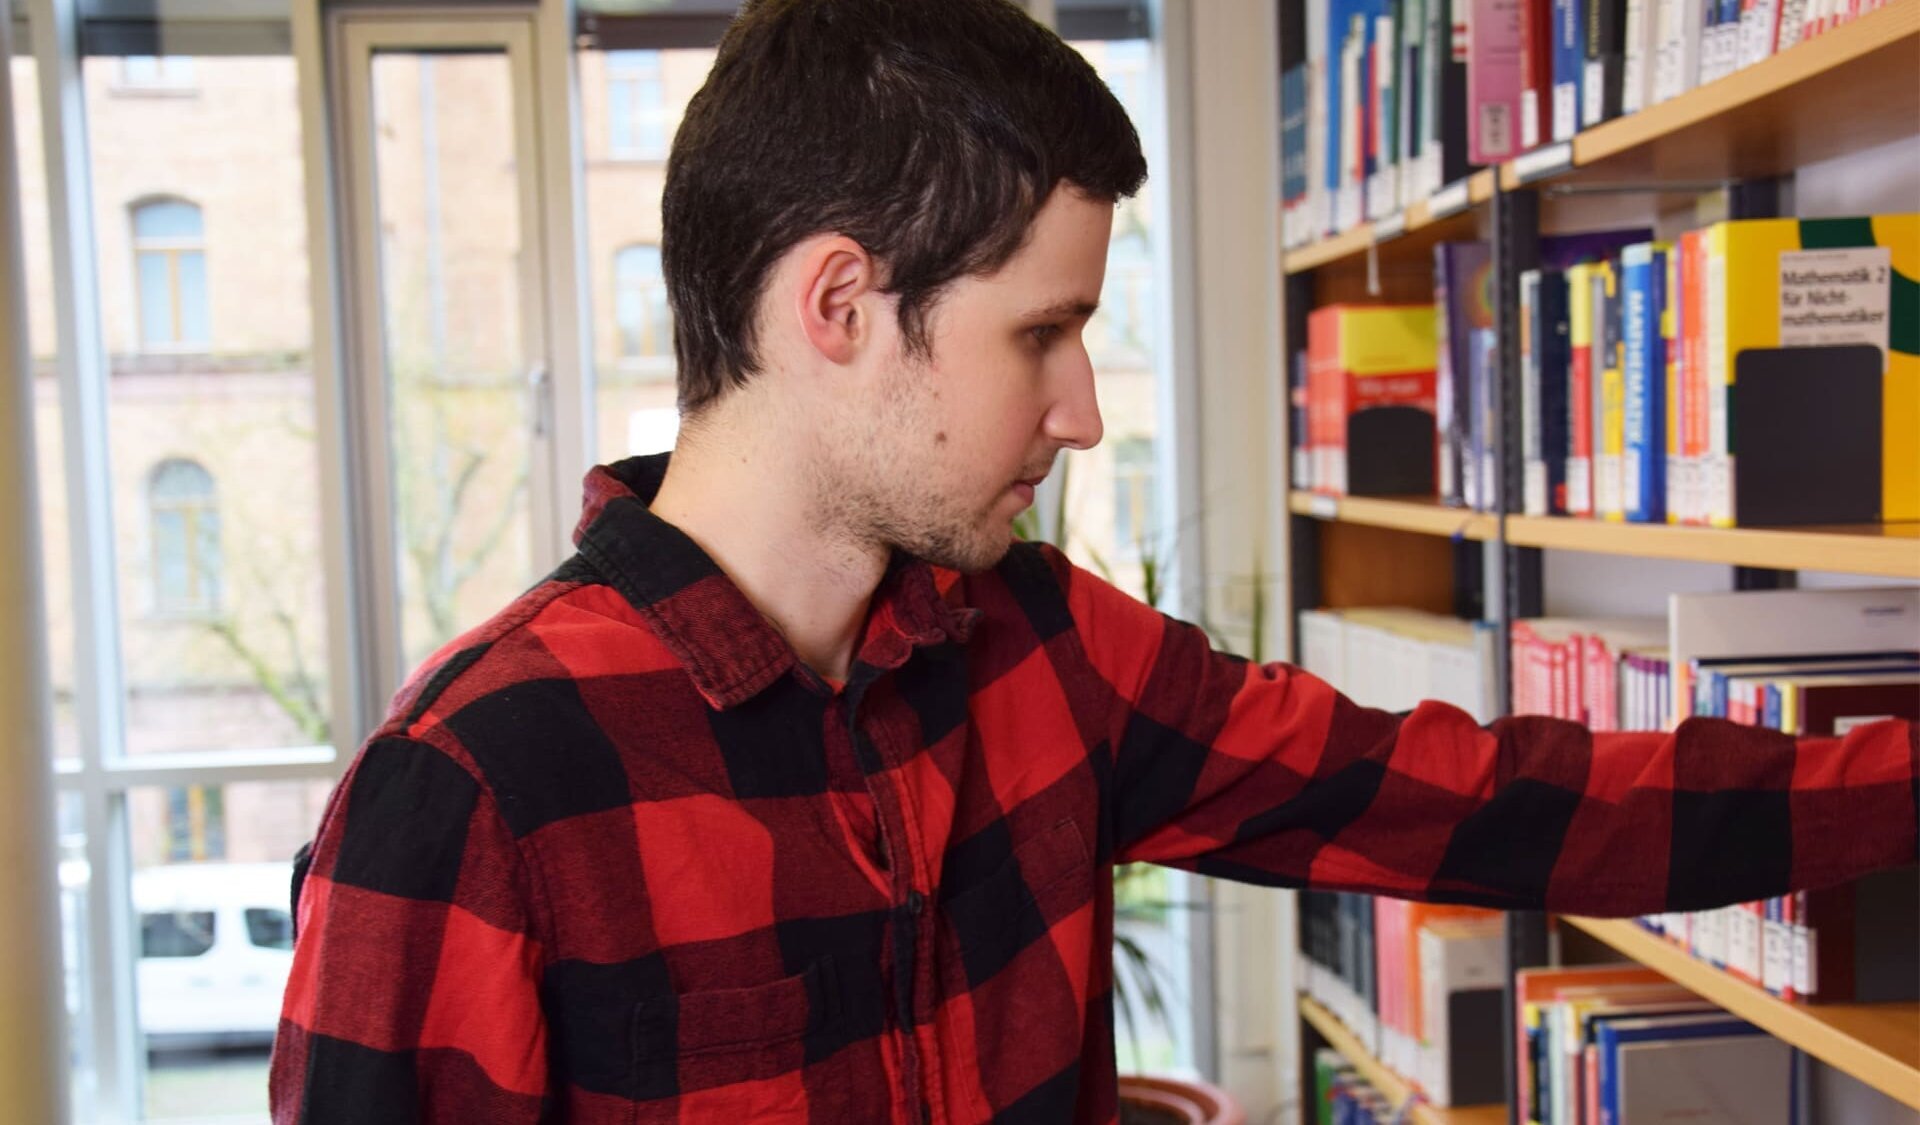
x=1072, y=306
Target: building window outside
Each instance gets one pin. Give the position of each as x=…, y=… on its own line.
x=185, y=516
x=640, y=122
x=170, y=268
x=640, y=303
x=1126, y=304
x=156, y=72
x=196, y=824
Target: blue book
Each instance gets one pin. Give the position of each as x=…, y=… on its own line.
x=1569, y=66
x=1614, y=1035
x=1343, y=17
x=1643, y=291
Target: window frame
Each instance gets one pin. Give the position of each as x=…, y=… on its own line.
x=171, y=250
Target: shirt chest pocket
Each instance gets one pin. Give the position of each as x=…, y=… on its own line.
x=1047, y=877
x=723, y=1021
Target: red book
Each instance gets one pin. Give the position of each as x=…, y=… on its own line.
x=1536, y=72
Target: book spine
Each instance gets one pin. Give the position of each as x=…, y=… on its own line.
x=1644, y=268
x=1494, y=79
x=1609, y=496
x=1669, y=308
x=1533, y=469
x=1569, y=65
x=1536, y=71
x=1580, y=391
x=1637, y=63
x=1553, y=346
x=1719, y=376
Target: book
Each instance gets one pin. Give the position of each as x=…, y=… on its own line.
x=1493, y=80
x=1605, y=73
x=1462, y=289
x=1536, y=72
x=1370, y=384
x=1294, y=76
x=1546, y=322
x=1609, y=496
x=1484, y=486
x=1637, y=67
x=1710, y=1072
x=1827, y=436
x=1580, y=390
x=1643, y=303
x=1462, y=980
x=1532, y=990
x=1569, y=66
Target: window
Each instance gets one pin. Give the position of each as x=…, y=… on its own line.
x=640, y=303
x=156, y=72
x=637, y=111
x=176, y=933
x=1126, y=303
x=170, y=266
x=186, y=539
x=196, y=824
x=1132, y=494
x=269, y=929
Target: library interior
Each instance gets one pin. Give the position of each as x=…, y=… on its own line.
x=1462, y=669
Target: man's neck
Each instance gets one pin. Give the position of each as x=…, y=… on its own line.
x=741, y=502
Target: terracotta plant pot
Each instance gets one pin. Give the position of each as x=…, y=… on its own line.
x=1147, y=1100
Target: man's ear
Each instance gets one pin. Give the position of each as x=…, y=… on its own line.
x=836, y=277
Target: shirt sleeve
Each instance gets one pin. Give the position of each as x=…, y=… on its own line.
x=414, y=990
x=1265, y=774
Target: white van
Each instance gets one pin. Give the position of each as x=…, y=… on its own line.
x=216, y=945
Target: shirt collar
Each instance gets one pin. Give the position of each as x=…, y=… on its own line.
x=731, y=651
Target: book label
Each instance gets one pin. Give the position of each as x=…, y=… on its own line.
x=1835, y=297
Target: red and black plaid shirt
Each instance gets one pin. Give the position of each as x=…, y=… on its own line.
x=618, y=856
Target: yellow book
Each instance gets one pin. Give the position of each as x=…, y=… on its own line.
x=1609, y=485
x=1580, y=389
x=1776, y=283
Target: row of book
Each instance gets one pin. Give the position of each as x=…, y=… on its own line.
x=1615, y=1045
x=1830, y=944
x=1342, y=1097
x=1394, y=658
x=1752, y=373
x=1419, y=985
x=1384, y=102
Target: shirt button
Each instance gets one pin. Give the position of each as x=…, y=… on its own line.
x=915, y=903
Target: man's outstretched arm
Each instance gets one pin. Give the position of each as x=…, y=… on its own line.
x=1267, y=775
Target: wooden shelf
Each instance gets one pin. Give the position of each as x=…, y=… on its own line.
x=1877, y=1043
x=1424, y=515
x=1848, y=90
x=1887, y=550
x=1420, y=230
x=1386, y=1081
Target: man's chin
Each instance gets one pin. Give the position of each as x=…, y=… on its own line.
x=981, y=553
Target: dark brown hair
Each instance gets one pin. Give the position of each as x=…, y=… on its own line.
x=928, y=131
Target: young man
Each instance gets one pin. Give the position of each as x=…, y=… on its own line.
x=794, y=795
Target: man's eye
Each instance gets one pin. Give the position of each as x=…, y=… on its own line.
x=1045, y=334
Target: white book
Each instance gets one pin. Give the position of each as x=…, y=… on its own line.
x=1637, y=65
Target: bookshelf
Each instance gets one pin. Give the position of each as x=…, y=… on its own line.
x=1386, y=1081
x=1848, y=90
x=1884, y=550
x=1877, y=1043
x=1421, y=514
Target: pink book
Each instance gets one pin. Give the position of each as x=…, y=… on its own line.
x=1493, y=81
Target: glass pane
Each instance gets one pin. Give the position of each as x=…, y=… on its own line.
x=194, y=328
x=49, y=441
x=240, y=662
x=1110, y=517
x=75, y=948
x=632, y=328
x=166, y=219
x=449, y=217
x=156, y=297
x=212, y=869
